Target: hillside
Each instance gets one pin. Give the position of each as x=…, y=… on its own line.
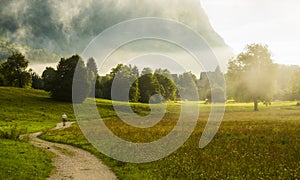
x=26, y=110
x=244, y=147
x=30, y=109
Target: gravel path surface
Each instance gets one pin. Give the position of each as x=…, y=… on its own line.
x=72, y=162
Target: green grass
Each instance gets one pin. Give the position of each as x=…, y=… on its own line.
x=20, y=160
x=248, y=145
x=25, y=111
x=29, y=109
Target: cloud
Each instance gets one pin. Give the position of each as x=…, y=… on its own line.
x=67, y=26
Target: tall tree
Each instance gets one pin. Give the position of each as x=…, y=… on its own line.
x=148, y=86
x=212, y=83
x=37, y=81
x=65, y=79
x=166, y=84
x=125, y=84
x=14, y=71
x=92, y=75
x=92, y=66
x=134, y=92
x=252, y=74
x=48, y=76
x=187, y=86
x=125, y=79
x=108, y=80
x=203, y=85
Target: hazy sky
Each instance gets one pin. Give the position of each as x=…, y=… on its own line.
x=272, y=22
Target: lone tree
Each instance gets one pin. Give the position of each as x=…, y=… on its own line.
x=251, y=75
x=64, y=80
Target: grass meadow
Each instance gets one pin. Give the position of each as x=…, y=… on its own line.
x=248, y=145
x=20, y=160
x=25, y=111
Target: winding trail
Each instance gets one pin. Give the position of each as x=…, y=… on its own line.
x=72, y=162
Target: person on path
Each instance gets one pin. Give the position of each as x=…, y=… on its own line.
x=64, y=119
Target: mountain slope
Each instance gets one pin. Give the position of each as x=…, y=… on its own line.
x=66, y=27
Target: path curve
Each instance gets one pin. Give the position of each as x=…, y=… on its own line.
x=72, y=162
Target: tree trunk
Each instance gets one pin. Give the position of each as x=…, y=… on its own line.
x=255, y=105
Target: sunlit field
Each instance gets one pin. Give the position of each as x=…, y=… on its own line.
x=251, y=145
x=20, y=160
x=140, y=84
x=31, y=110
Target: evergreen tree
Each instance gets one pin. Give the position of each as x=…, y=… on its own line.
x=92, y=75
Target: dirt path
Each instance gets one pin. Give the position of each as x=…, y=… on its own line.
x=71, y=162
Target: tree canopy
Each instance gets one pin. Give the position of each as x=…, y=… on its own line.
x=64, y=79
x=251, y=75
x=14, y=71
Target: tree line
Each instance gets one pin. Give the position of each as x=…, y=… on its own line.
x=141, y=86
x=252, y=76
